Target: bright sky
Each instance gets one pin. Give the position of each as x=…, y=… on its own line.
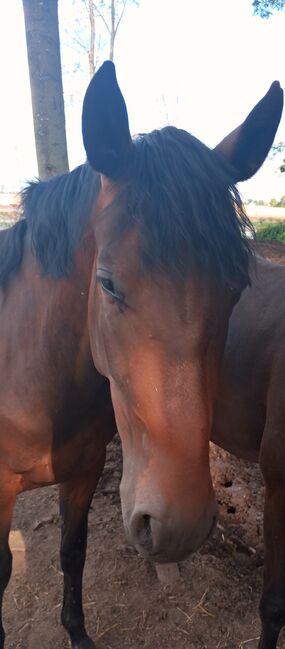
x=200, y=65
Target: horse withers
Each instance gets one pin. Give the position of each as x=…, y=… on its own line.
x=170, y=264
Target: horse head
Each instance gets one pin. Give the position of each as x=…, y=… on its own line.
x=171, y=262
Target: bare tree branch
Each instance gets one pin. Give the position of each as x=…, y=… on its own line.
x=97, y=55
x=100, y=15
x=94, y=33
x=78, y=41
x=121, y=16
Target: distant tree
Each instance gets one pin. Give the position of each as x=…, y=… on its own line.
x=273, y=202
x=42, y=36
x=276, y=150
x=83, y=34
x=281, y=203
x=111, y=13
x=95, y=28
x=265, y=8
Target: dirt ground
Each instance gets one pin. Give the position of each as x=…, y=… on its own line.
x=214, y=604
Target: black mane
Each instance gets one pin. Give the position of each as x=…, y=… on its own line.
x=188, y=214
x=179, y=195
x=54, y=213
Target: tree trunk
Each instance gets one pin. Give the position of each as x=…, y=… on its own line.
x=92, y=38
x=112, y=30
x=42, y=36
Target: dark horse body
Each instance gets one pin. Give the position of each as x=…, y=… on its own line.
x=250, y=418
x=56, y=415
x=142, y=265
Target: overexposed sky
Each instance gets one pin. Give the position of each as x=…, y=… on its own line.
x=201, y=66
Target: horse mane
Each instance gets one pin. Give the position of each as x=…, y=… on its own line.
x=189, y=215
x=54, y=213
x=178, y=193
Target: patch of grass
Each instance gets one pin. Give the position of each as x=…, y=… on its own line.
x=6, y=220
x=270, y=231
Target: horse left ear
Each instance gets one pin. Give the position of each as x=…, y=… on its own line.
x=248, y=145
x=105, y=124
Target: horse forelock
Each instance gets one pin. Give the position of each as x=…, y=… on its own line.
x=189, y=216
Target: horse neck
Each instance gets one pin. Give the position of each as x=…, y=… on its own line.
x=71, y=297
x=55, y=314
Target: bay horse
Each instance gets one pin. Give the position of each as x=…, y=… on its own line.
x=171, y=262
x=142, y=259
x=249, y=418
x=56, y=413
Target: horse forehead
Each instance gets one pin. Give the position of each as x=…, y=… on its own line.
x=120, y=254
x=107, y=194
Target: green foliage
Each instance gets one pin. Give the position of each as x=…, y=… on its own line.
x=273, y=202
x=7, y=221
x=270, y=231
x=265, y=8
x=277, y=149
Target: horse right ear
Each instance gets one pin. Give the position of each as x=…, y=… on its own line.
x=248, y=145
x=105, y=124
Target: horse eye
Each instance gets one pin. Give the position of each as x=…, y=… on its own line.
x=107, y=285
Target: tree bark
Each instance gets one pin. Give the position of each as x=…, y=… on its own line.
x=92, y=38
x=42, y=36
x=112, y=30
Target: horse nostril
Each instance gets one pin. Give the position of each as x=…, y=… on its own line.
x=147, y=525
x=141, y=531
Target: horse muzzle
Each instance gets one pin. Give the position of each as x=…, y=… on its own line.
x=166, y=541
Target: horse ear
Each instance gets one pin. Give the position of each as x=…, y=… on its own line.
x=105, y=124
x=248, y=145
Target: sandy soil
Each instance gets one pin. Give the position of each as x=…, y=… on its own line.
x=214, y=604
